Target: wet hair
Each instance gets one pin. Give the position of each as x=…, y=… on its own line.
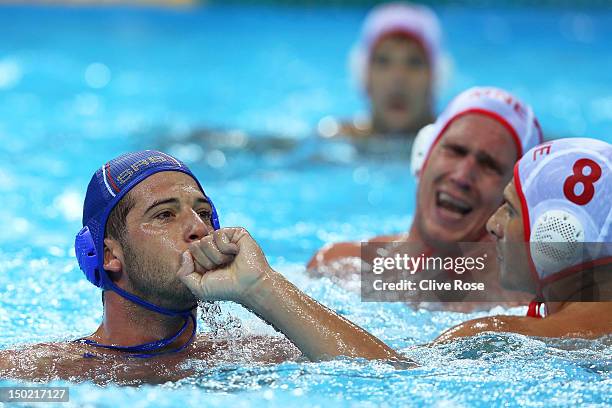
x=116, y=223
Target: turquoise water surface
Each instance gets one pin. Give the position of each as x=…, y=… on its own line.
x=81, y=85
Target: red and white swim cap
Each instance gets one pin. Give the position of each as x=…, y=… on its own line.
x=565, y=189
x=495, y=103
x=415, y=21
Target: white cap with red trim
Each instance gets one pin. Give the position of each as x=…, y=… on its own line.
x=416, y=21
x=496, y=103
x=565, y=188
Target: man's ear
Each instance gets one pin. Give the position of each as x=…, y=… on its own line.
x=113, y=258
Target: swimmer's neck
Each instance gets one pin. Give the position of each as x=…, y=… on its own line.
x=127, y=324
x=588, y=286
x=377, y=127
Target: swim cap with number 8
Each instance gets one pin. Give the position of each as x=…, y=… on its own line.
x=565, y=190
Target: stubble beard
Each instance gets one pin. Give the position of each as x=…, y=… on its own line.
x=151, y=279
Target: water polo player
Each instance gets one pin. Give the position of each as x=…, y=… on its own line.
x=554, y=237
x=396, y=63
x=151, y=240
x=462, y=161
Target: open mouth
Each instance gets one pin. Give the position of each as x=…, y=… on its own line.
x=452, y=204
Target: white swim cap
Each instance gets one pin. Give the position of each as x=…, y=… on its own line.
x=495, y=103
x=415, y=21
x=565, y=189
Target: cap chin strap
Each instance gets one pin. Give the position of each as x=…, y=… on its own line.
x=537, y=309
x=144, y=350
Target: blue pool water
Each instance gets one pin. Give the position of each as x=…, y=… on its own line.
x=81, y=85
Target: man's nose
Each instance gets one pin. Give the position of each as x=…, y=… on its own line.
x=398, y=72
x=196, y=228
x=494, y=225
x=464, y=173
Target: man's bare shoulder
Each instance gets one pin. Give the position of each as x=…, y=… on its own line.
x=51, y=349
x=350, y=249
x=79, y=362
x=350, y=130
x=39, y=361
x=333, y=252
x=582, y=319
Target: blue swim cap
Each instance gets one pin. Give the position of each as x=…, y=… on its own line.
x=107, y=187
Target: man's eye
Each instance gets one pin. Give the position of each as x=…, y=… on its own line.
x=164, y=215
x=509, y=210
x=204, y=214
x=456, y=150
x=493, y=168
x=415, y=62
x=380, y=60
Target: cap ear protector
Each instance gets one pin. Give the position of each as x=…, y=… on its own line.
x=86, y=255
x=420, y=148
x=556, y=240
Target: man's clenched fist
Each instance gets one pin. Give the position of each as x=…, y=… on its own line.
x=224, y=265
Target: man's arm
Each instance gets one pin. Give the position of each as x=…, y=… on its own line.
x=229, y=265
x=316, y=330
x=583, y=320
x=515, y=324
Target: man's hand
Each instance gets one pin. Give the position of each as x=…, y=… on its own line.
x=225, y=265
x=229, y=265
